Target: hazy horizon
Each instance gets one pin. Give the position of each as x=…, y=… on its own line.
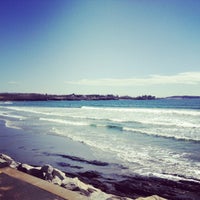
x=118, y=47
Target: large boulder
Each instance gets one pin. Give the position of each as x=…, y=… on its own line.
x=56, y=180
x=9, y=161
x=25, y=168
x=47, y=170
x=61, y=175
x=34, y=171
x=75, y=184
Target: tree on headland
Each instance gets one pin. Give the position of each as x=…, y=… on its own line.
x=145, y=97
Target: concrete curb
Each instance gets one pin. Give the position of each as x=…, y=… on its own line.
x=39, y=183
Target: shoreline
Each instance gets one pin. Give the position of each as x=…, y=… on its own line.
x=181, y=190
x=59, y=178
x=24, y=147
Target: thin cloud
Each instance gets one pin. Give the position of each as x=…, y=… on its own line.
x=186, y=78
x=13, y=83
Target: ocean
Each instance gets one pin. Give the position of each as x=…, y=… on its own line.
x=152, y=138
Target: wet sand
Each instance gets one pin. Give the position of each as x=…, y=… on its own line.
x=77, y=160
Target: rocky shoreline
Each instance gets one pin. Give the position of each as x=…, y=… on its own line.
x=94, y=186
x=55, y=176
x=134, y=186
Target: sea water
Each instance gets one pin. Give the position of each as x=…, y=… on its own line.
x=153, y=138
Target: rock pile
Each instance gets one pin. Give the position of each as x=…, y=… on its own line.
x=55, y=176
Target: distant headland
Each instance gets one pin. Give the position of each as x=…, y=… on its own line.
x=78, y=97
x=68, y=97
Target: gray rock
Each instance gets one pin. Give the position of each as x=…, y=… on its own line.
x=6, y=158
x=57, y=177
x=3, y=163
x=9, y=161
x=37, y=173
x=47, y=169
x=56, y=180
x=59, y=174
x=25, y=168
x=48, y=177
x=75, y=184
x=34, y=171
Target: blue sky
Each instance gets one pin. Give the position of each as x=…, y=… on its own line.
x=124, y=47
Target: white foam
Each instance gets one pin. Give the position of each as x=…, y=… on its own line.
x=6, y=103
x=60, y=121
x=139, y=157
x=9, y=124
x=146, y=110
x=36, y=110
x=48, y=111
x=162, y=117
x=12, y=116
x=170, y=122
x=142, y=159
x=167, y=134
x=170, y=177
